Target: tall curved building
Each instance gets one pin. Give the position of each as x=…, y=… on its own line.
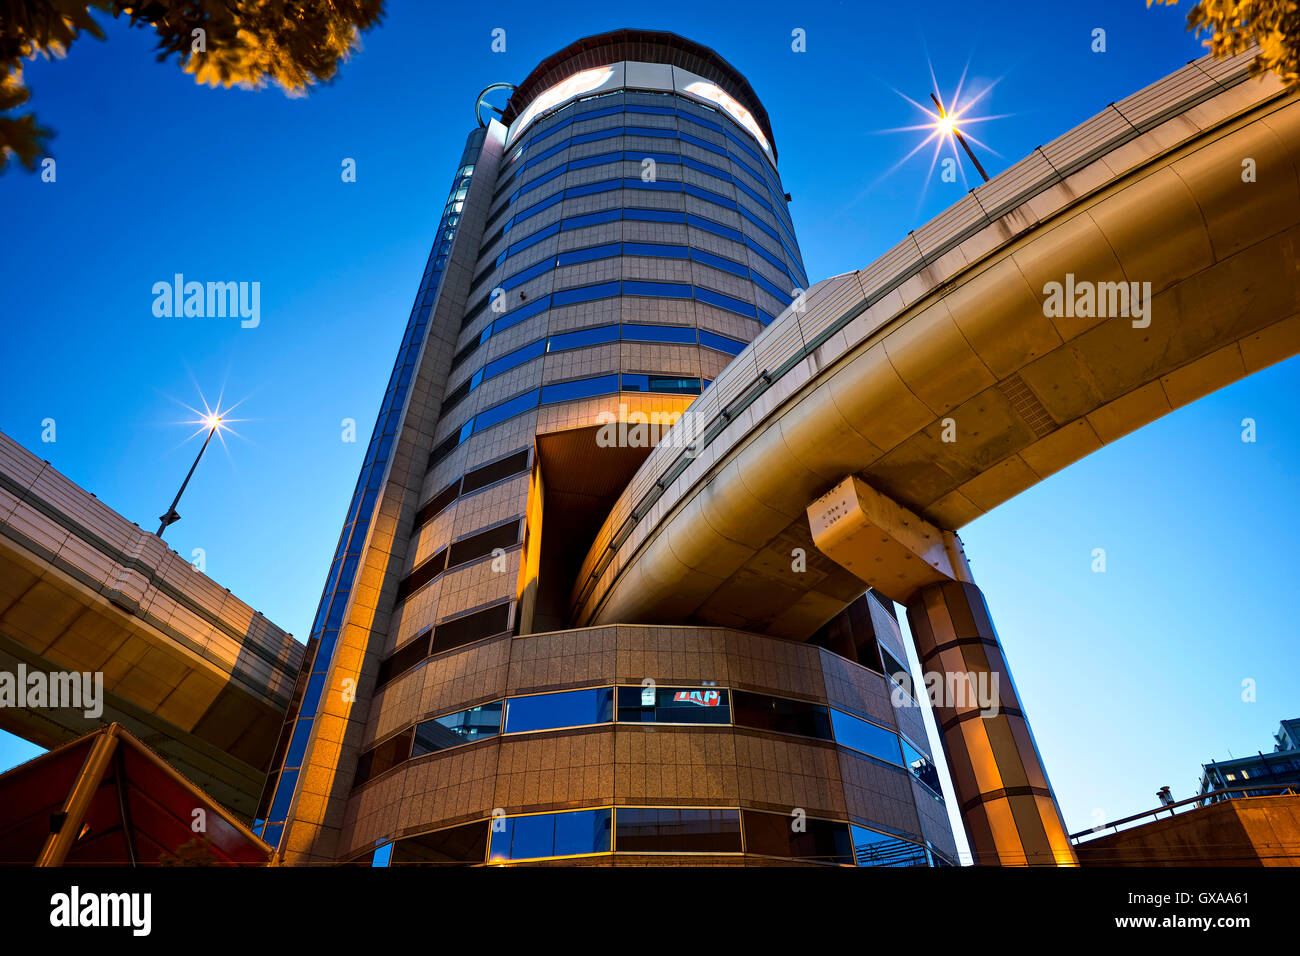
x=609, y=245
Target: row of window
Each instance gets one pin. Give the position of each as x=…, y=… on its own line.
x=610, y=290
x=476, y=546
x=595, y=335
x=630, y=214
x=471, y=481
x=614, y=250
x=568, y=391
x=656, y=185
x=452, y=633
x=677, y=830
x=639, y=705
x=585, y=111
x=278, y=792
x=639, y=157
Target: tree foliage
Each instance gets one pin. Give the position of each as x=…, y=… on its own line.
x=294, y=44
x=1234, y=25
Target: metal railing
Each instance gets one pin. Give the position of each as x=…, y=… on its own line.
x=1201, y=799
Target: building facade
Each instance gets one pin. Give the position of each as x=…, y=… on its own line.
x=1279, y=768
x=606, y=249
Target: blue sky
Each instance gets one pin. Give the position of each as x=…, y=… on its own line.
x=1131, y=678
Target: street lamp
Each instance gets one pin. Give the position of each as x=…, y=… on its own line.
x=213, y=421
x=948, y=124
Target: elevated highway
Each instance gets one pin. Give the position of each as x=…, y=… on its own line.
x=185, y=665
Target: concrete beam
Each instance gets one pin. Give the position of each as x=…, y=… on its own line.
x=889, y=547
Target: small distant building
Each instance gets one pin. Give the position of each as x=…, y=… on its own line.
x=1247, y=813
x=1282, y=766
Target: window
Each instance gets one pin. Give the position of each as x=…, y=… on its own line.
x=673, y=705
x=484, y=543
x=661, y=383
x=507, y=409
x=780, y=714
x=720, y=262
x=462, y=844
x=866, y=737
x=582, y=337
x=540, y=835
x=471, y=627
x=659, y=333
x=659, y=250
x=727, y=302
x=878, y=849
x=676, y=830
x=772, y=834
x=654, y=215
x=487, y=474
x=404, y=658
x=587, y=255
x=462, y=727
x=672, y=290
x=384, y=756
x=720, y=343
x=922, y=768
x=512, y=359
x=586, y=293
x=581, y=388
x=570, y=708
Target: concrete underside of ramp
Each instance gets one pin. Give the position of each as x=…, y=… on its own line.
x=186, y=666
x=1195, y=190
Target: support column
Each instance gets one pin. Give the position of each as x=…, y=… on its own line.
x=1006, y=803
x=1002, y=790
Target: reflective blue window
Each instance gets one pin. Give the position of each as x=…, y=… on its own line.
x=586, y=293
x=599, y=160
x=507, y=409
x=582, y=388
x=542, y=835
x=717, y=199
x=721, y=343
x=708, y=225
x=878, y=849
x=654, y=215
x=518, y=315
x=661, y=250
x=673, y=705
x=659, y=333
x=588, y=189
x=512, y=359
x=865, y=736
x=590, y=219
x=720, y=262
x=574, y=340
x=570, y=708
x=675, y=290
x=660, y=185
x=462, y=727
x=661, y=383
x=382, y=855
x=922, y=767
x=725, y=302
x=776, y=292
x=588, y=254
x=532, y=272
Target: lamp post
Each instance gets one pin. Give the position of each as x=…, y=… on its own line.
x=952, y=128
x=171, y=517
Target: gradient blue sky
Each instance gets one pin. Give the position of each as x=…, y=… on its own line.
x=1131, y=678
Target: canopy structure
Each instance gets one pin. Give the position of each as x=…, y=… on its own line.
x=107, y=799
